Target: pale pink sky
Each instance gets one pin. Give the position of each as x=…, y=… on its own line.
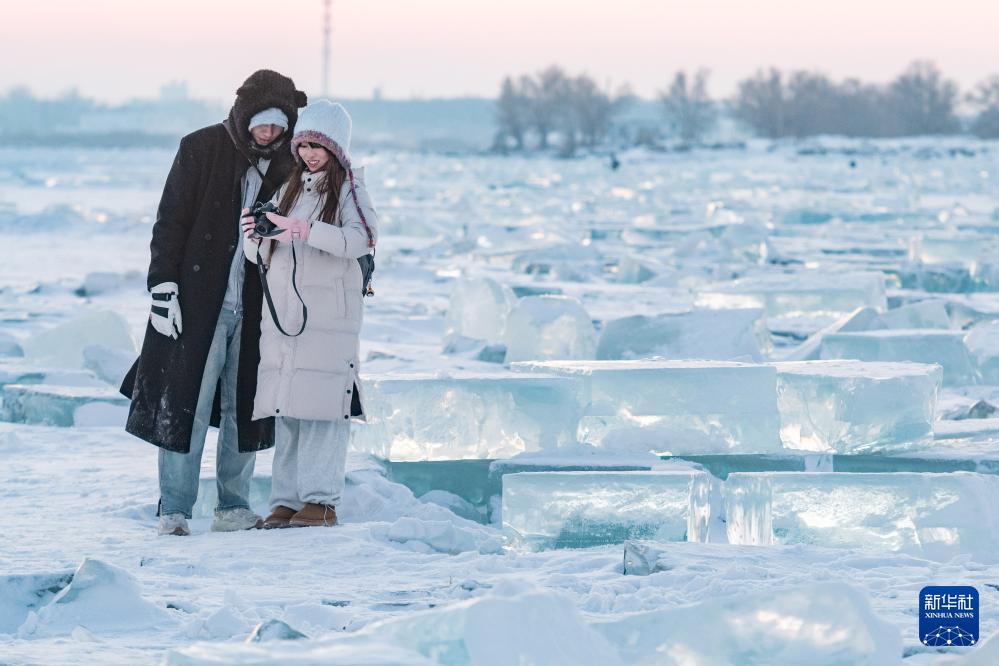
x=117, y=49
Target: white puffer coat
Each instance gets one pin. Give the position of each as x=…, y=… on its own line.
x=314, y=376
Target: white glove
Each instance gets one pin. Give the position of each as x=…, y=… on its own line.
x=165, y=312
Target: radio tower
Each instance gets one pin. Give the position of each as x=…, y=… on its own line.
x=326, y=47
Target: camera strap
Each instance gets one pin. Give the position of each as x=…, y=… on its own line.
x=262, y=272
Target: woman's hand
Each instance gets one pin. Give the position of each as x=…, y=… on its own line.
x=292, y=228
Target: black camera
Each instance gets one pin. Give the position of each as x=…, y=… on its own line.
x=262, y=227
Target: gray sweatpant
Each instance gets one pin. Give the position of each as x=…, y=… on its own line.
x=310, y=462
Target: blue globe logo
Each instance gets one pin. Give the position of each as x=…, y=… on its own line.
x=948, y=636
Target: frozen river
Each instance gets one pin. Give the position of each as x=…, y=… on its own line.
x=812, y=310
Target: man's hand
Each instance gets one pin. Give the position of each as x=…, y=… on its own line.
x=165, y=312
x=247, y=222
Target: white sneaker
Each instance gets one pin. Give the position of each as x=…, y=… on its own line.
x=234, y=520
x=174, y=524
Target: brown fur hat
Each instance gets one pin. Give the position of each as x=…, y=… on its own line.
x=262, y=90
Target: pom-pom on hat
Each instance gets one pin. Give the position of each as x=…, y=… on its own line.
x=327, y=124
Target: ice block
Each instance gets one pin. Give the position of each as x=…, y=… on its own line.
x=931, y=515
x=548, y=510
x=675, y=407
x=487, y=415
x=946, y=348
x=850, y=406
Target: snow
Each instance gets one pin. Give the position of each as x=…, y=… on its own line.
x=628, y=260
x=100, y=598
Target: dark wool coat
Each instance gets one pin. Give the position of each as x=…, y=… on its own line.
x=194, y=240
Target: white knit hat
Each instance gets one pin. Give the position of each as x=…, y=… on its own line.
x=327, y=124
x=271, y=116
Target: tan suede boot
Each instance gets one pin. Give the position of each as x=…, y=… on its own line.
x=279, y=517
x=314, y=515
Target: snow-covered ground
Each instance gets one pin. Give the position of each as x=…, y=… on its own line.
x=783, y=244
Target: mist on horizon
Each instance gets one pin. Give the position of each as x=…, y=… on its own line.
x=115, y=50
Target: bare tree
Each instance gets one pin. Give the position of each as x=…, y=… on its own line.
x=985, y=98
x=546, y=96
x=863, y=110
x=511, y=113
x=812, y=105
x=590, y=110
x=689, y=109
x=761, y=103
x=923, y=101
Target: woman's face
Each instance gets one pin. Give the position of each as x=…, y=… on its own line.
x=315, y=156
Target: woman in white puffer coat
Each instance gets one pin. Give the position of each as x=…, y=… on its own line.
x=309, y=382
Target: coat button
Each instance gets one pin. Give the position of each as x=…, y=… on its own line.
x=348, y=390
x=352, y=365
x=346, y=416
x=197, y=268
x=208, y=236
x=277, y=411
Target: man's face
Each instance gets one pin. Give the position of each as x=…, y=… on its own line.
x=265, y=134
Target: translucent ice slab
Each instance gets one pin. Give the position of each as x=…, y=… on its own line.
x=982, y=341
x=919, y=345
x=938, y=248
x=549, y=327
x=929, y=515
x=63, y=405
x=24, y=373
x=776, y=622
x=924, y=314
x=545, y=510
x=853, y=406
x=9, y=346
x=21, y=594
x=781, y=293
x=478, y=309
x=63, y=345
x=497, y=415
x=678, y=407
x=721, y=335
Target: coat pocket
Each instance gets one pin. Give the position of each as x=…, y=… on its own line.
x=355, y=398
x=339, y=298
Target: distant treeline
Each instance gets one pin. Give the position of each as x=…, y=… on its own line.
x=771, y=104
x=70, y=119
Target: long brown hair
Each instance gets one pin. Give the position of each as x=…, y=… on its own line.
x=330, y=187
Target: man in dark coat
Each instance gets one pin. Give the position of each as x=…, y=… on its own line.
x=199, y=361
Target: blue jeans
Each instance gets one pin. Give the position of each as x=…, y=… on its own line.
x=180, y=472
